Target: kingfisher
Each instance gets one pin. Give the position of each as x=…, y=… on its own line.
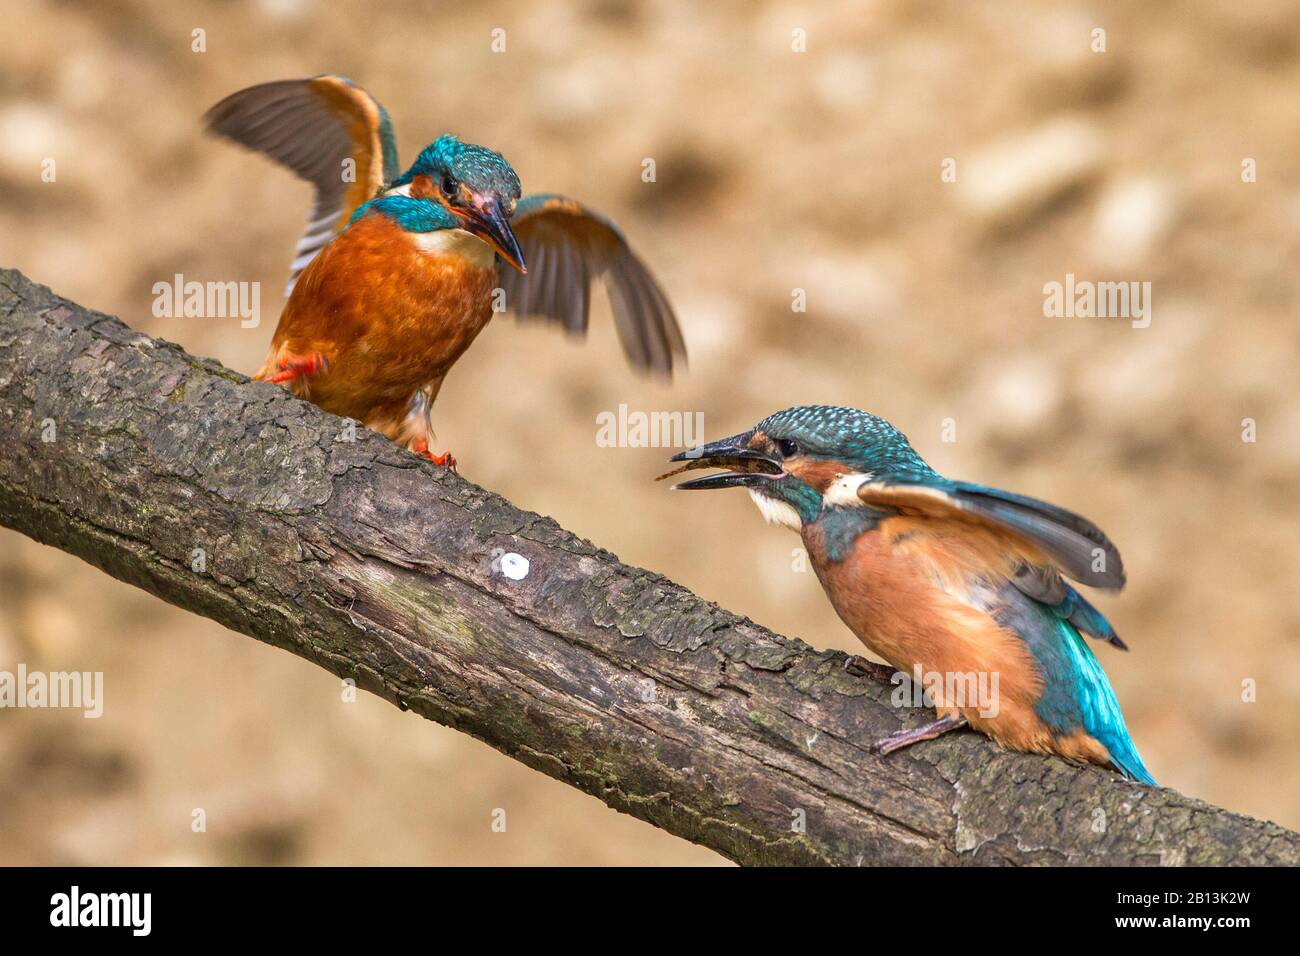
x=398, y=272
x=941, y=578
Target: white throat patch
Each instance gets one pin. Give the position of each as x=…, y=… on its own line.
x=776, y=511
x=455, y=242
x=843, y=491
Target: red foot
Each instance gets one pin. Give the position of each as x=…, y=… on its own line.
x=296, y=366
x=445, y=459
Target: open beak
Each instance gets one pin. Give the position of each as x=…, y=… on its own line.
x=490, y=223
x=746, y=467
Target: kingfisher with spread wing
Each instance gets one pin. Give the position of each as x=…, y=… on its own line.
x=397, y=274
x=949, y=579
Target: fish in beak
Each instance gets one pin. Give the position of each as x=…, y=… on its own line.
x=746, y=466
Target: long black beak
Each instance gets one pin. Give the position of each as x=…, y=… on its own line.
x=490, y=223
x=746, y=466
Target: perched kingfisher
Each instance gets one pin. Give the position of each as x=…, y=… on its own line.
x=397, y=274
x=943, y=577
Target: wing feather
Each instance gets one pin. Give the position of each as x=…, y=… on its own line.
x=566, y=245
x=1053, y=542
x=313, y=127
x=1074, y=544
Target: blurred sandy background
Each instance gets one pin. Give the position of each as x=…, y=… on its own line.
x=777, y=170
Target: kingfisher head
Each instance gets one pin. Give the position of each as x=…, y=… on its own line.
x=797, y=461
x=472, y=185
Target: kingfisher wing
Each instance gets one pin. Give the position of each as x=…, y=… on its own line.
x=328, y=131
x=565, y=246
x=1044, y=584
x=1052, y=538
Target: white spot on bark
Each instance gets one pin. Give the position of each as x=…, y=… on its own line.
x=514, y=566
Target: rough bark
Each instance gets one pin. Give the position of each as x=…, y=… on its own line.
x=379, y=566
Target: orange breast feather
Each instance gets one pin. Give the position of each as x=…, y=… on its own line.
x=902, y=590
x=389, y=316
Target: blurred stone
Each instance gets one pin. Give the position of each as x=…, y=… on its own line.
x=29, y=133
x=855, y=287
x=1102, y=80
x=275, y=843
x=579, y=90
x=619, y=13
x=53, y=627
x=688, y=179
x=1132, y=215
x=845, y=81
x=100, y=834
x=1151, y=365
x=1257, y=34
x=1020, y=394
x=716, y=324
x=79, y=80
x=1009, y=181
x=1065, y=70
x=285, y=9
x=1059, y=36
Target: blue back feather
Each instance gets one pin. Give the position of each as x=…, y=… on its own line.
x=1076, y=692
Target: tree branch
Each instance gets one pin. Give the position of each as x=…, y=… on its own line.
x=379, y=566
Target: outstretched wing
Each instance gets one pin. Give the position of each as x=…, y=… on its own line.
x=1077, y=546
x=1052, y=542
x=327, y=130
x=565, y=246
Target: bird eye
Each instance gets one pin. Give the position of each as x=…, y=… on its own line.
x=787, y=448
x=449, y=185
